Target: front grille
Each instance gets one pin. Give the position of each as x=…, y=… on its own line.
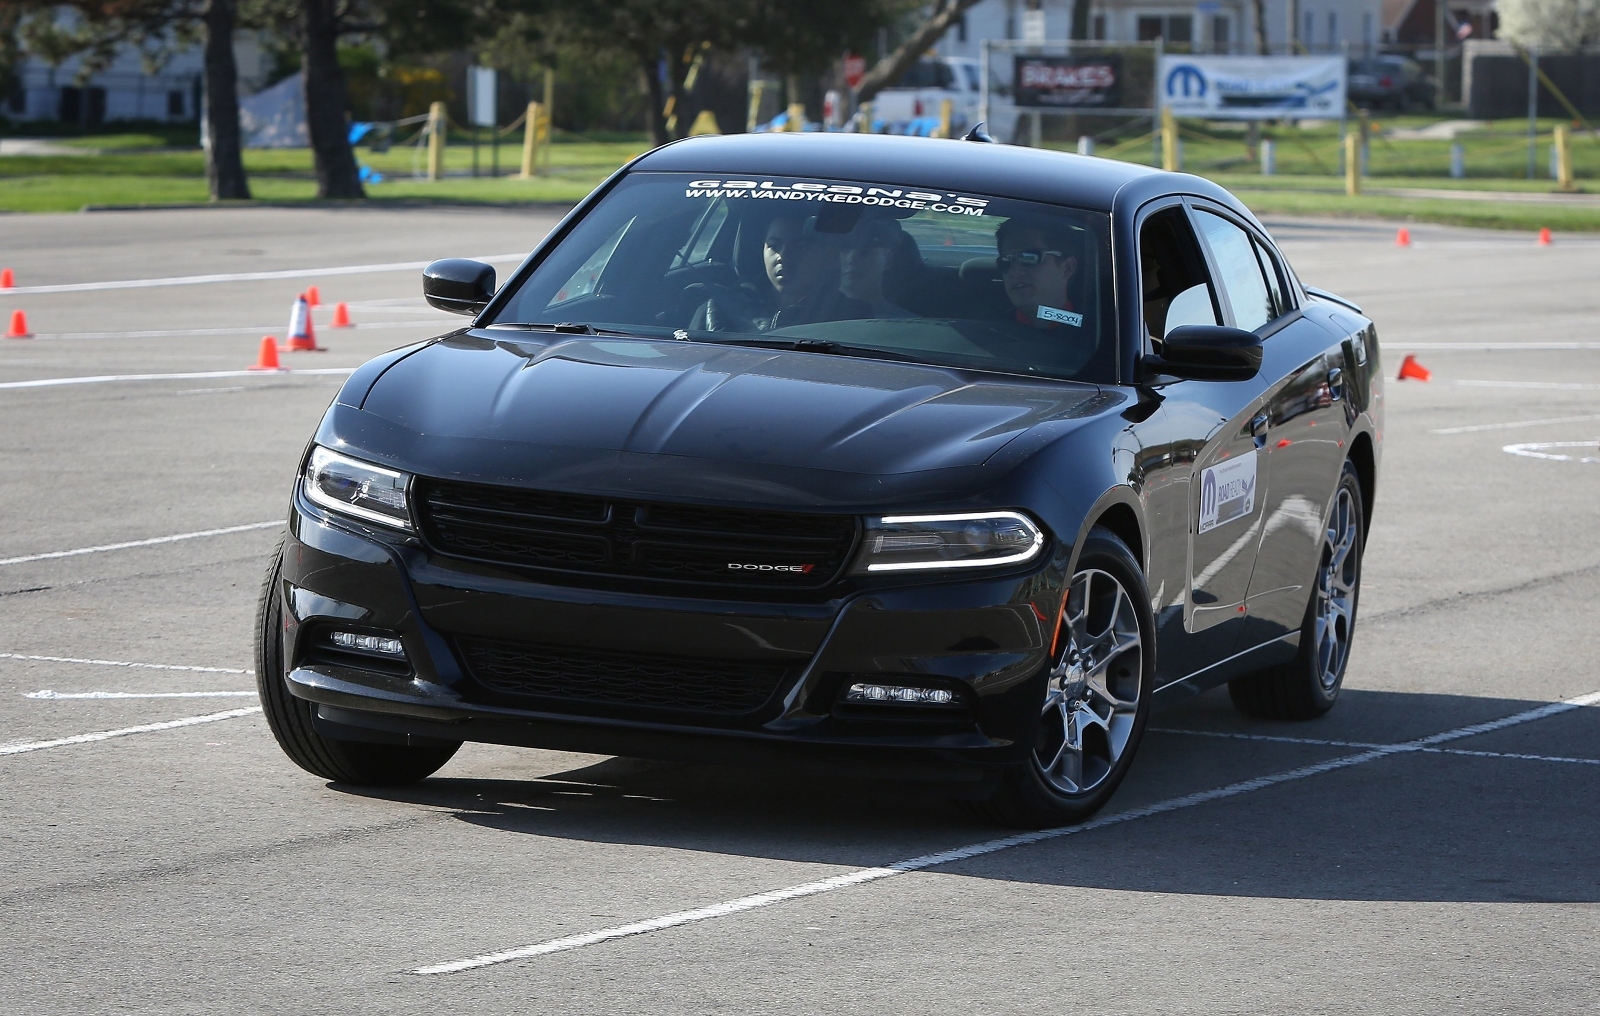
x=584, y=535
x=570, y=679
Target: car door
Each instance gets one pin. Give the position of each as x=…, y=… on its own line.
x=1302, y=439
x=1215, y=423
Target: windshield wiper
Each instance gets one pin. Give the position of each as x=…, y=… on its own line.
x=817, y=346
x=566, y=328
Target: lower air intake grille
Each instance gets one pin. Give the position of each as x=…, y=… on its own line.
x=566, y=677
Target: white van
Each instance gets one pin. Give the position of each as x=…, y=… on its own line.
x=912, y=105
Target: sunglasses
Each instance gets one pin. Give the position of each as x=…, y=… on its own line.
x=1025, y=258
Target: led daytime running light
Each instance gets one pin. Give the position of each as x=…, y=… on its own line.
x=934, y=540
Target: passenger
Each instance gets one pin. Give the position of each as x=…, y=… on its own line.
x=803, y=268
x=867, y=254
x=1037, y=262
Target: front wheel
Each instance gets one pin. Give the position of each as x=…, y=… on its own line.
x=355, y=762
x=1307, y=686
x=1097, y=695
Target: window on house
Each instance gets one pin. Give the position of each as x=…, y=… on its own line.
x=175, y=102
x=1333, y=31
x=1309, y=40
x=16, y=97
x=1221, y=34
x=1097, y=31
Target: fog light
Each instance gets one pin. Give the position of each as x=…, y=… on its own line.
x=367, y=643
x=898, y=693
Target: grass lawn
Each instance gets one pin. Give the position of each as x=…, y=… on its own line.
x=158, y=166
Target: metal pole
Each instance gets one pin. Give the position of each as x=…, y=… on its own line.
x=983, y=86
x=1344, y=110
x=1155, y=103
x=1438, y=54
x=1533, y=110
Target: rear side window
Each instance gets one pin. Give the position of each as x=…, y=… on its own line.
x=1269, y=268
x=1245, y=288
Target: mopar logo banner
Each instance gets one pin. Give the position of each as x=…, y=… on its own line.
x=1253, y=87
x=1068, y=81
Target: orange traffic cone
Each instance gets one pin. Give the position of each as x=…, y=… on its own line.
x=341, y=316
x=1403, y=238
x=268, y=359
x=313, y=297
x=1544, y=237
x=1411, y=370
x=302, y=334
x=7, y=280
x=19, y=326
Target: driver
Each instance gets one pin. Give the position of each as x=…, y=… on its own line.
x=803, y=267
x=1037, y=262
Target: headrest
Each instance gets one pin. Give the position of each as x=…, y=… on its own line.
x=976, y=271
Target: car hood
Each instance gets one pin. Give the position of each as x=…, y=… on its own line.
x=696, y=419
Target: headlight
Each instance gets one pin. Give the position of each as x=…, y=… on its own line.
x=930, y=542
x=351, y=487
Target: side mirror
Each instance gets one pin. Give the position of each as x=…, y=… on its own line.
x=458, y=285
x=1207, y=353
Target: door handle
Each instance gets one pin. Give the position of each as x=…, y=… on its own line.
x=1258, y=426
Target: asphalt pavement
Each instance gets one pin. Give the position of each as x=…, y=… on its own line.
x=1431, y=846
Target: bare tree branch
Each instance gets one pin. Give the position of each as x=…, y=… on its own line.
x=888, y=70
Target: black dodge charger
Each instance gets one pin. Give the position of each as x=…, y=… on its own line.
x=929, y=459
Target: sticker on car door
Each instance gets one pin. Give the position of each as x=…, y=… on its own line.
x=1227, y=491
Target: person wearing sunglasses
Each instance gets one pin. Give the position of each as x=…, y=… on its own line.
x=1037, y=262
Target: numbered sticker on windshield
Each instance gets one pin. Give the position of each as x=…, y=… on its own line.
x=1227, y=491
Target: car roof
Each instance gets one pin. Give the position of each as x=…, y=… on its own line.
x=1029, y=174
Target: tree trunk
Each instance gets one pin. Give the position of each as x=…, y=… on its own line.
x=1080, y=20
x=888, y=70
x=337, y=175
x=224, y=159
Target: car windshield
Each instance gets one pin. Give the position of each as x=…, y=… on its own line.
x=859, y=268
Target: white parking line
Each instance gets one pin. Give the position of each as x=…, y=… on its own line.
x=22, y=747
x=1573, y=386
x=98, y=379
x=1474, y=347
x=864, y=875
x=1357, y=744
x=1477, y=427
x=153, y=541
x=123, y=663
x=1537, y=450
x=53, y=695
x=181, y=333
x=196, y=280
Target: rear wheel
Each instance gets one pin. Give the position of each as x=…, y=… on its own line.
x=1308, y=685
x=357, y=762
x=1096, y=698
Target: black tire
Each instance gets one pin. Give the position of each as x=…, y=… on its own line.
x=355, y=762
x=1028, y=794
x=1307, y=686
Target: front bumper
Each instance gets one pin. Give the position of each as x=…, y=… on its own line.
x=985, y=639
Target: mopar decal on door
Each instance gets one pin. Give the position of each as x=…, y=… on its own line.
x=1227, y=491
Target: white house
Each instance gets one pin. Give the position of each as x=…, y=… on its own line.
x=125, y=90
x=1208, y=26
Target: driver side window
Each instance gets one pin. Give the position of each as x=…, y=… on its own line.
x=1176, y=285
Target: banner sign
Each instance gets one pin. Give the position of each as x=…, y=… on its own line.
x=1254, y=87
x=1068, y=81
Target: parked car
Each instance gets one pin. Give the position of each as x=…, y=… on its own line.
x=932, y=458
x=913, y=104
x=1390, y=82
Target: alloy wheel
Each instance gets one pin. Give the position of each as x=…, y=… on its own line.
x=1092, y=700
x=1336, y=590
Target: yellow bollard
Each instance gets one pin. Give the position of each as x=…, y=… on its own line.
x=945, y=112
x=797, y=118
x=1352, y=163
x=1169, y=141
x=752, y=119
x=530, y=141
x=436, y=140
x=1563, y=143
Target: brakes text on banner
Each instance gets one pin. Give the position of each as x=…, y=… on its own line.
x=1068, y=81
x=1253, y=87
